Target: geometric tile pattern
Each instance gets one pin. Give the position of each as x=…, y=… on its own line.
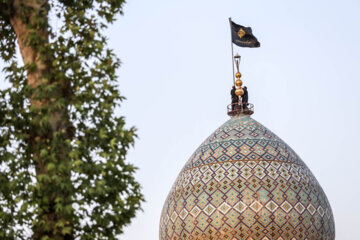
x=244, y=182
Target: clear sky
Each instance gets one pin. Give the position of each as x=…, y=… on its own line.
x=303, y=80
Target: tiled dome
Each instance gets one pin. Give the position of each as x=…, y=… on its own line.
x=244, y=182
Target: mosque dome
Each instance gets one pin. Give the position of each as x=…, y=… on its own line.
x=244, y=182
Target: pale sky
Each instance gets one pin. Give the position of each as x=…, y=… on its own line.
x=303, y=80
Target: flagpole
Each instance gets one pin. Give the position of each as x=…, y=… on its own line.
x=232, y=51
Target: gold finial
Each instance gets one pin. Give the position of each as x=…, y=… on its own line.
x=238, y=83
x=239, y=92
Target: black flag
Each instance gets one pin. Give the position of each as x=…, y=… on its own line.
x=242, y=36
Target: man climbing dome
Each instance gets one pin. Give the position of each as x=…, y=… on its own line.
x=245, y=99
x=234, y=98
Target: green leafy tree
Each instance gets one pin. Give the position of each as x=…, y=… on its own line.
x=62, y=147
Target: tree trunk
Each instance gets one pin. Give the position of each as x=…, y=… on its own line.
x=28, y=53
x=27, y=19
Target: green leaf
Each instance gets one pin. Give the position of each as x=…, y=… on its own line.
x=103, y=133
x=51, y=166
x=66, y=230
x=43, y=153
x=112, y=143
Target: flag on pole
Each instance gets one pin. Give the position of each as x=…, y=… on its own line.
x=243, y=37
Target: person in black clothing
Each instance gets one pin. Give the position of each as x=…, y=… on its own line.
x=245, y=98
x=234, y=98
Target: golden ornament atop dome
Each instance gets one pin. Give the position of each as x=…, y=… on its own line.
x=239, y=91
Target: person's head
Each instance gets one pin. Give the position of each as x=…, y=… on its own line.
x=233, y=86
x=245, y=87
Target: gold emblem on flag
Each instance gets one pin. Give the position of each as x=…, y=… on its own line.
x=241, y=33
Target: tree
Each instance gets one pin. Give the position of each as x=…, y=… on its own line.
x=63, y=173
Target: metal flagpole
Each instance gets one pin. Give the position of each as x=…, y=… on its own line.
x=232, y=51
